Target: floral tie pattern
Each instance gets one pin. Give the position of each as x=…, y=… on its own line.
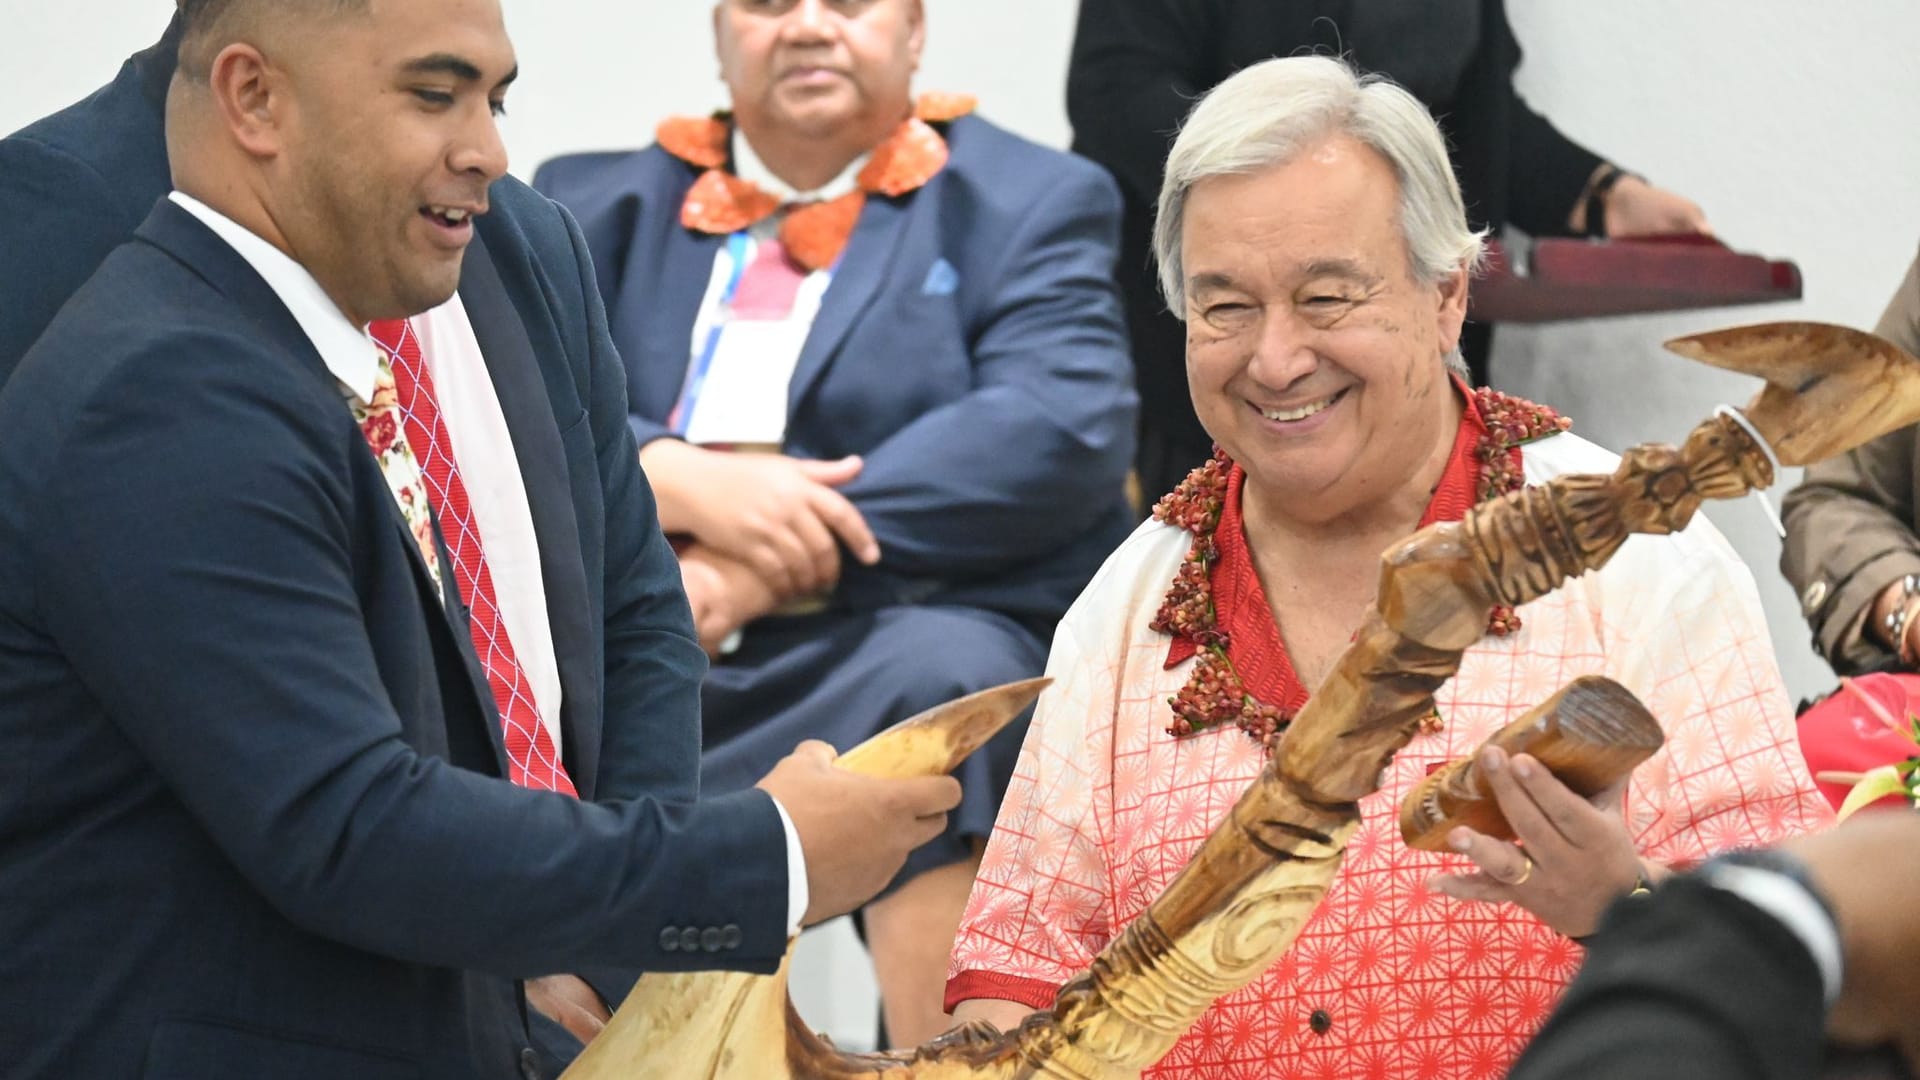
x=379, y=421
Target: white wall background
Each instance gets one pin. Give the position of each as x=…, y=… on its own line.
x=1797, y=126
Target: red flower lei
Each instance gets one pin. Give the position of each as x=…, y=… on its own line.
x=1215, y=694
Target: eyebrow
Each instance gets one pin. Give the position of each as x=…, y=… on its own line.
x=1209, y=280
x=1314, y=268
x=456, y=66
x=1341, y=268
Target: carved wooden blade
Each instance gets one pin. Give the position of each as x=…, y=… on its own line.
x=937, y=741
x=1829, y=388
x=727, y=1025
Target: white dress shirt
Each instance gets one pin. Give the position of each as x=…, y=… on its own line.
x=482, y=446
x=771, y=374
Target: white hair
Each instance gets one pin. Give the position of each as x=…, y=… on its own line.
x=1266, y=114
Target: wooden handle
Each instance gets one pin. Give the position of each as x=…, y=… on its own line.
x=1589, y=735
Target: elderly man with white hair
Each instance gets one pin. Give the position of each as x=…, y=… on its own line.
x=1312, y=236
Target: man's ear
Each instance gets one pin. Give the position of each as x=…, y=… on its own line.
x=250, y=97
x=1453, y=308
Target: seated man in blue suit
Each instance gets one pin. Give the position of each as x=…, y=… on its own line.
x=292, y=622
x=909, y=313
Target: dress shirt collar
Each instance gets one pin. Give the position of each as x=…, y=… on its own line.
x=748, y=166
x=346, y=349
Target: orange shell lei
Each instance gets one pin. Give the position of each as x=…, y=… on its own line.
x=814, y=234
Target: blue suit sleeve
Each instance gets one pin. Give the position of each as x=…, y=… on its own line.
x=242, y=669
x=58, y=221
x=646, y=430
x=978, y=484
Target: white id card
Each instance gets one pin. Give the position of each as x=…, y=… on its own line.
x=744, y=396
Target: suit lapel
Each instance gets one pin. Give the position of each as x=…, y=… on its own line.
x=663, y=312
x=863, y=267
x=531, y=421
x=179, y=232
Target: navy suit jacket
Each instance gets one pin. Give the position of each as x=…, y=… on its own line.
x=249, y=821
x=970, y=348
x=73, y=186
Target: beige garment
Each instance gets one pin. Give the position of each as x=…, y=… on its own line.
x=1851, y=524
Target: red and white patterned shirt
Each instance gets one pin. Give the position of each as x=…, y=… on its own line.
x=1106, y=808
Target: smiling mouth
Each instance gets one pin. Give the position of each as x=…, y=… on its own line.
x=1301, y=412
x=448, y=217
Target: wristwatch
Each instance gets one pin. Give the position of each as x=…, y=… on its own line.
x=1895, y=622
x=1779, y=884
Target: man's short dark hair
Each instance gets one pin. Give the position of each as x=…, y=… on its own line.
x=207, y=26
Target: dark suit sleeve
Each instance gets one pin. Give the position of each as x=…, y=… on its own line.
x=1546, y=171
x=654, y=663
x=982, y=481
x=1850, y=523
x=1690, y=984
x=201, y=542
x=1136, y=69
x=58, y=221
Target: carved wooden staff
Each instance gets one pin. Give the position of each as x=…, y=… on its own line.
x=1258, y=877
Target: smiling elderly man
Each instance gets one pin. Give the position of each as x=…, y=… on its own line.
x=909, y=312
x=1312, y=236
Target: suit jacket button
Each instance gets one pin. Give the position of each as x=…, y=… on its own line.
x=690, y=939
x=529, y=1064
x=730, y=936
x=710, y=939
x=670, y=939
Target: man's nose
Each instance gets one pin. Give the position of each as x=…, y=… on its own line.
x=481, y=149
x=810, y=20
x=1285, y=350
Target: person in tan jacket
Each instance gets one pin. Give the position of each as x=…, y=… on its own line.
x=1853, y=534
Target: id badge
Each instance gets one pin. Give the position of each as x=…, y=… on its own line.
x=744, y=396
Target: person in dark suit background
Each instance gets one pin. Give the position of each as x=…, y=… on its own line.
x=911, y=312
x=1784, y=964
x=74, y=186
x=255, y=821
x=1138, y=66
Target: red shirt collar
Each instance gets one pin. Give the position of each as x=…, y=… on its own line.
x=1240, y=603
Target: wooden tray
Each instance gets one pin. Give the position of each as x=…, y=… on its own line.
x=1554, y=279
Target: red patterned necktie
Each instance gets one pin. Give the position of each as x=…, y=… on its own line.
x=531, y=760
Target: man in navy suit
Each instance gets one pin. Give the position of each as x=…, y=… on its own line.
x=254, y=822
x=74, y=186
x=910, y=312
